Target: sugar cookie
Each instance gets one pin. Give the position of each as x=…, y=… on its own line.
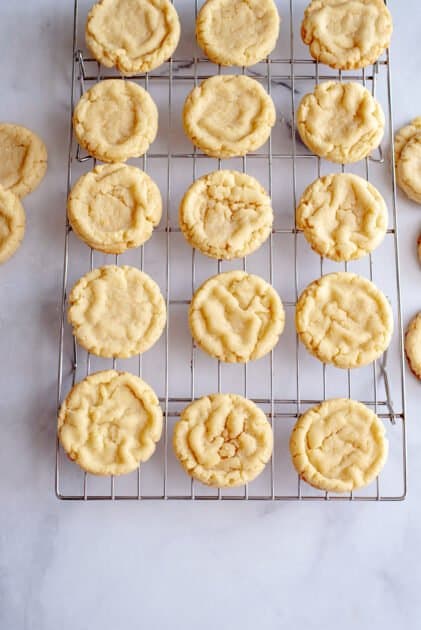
x=228, y=115
x=114, y=207
x=338, y=445
x=110, y=422
x=236, y=316
x=344, y=319
x=116, y=311
x=341, y=122
x=226, y=214
x=223, y=440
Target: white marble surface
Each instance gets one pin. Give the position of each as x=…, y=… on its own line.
x=103, y=565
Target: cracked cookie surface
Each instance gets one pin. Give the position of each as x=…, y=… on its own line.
x=12, y=224
x=341, y=122
x=237, y=32
x=339, y=445
x=408, y=159
x=116, y=311
x=23, y=161
x=135, y=36
x=223, y=440
x=228, y=115
x=226, y=214
x=347, y=34
x=236, y=317
x=114, y=207
x=343, y=216
x=344, y=319
x=115, y=120
x=413, y=345
x=110, y=422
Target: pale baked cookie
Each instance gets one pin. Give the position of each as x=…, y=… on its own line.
x=408, y=159
x=413, y=345
x=135, y=36
x=114, y=207
x=347, y=34
x=23, y=159
x=116, y=311
x=338, y=445
x=236, y=316
x=226, y=214
x=12, y=224
x=223, y=440
x=228, y=115
x=110, y=423
x=344, y=319
x=115, y=120
x=237, y=32
x=343, y=216
x=341, y=122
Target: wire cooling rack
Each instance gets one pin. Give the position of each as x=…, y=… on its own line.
x=289, y=380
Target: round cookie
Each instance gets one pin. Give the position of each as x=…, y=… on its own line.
x=114, y=207
x=12, y=224
x=236, y=317
x=116, y=311
x=338, y=445
x=223, y=440
x=413, y=345
x=347, y=34
x=226, y=214
x=110, y=423
x=237, y=32
x=23, y=159
x=343, y=216
x=115, y=120
x=135, y=36
x=341, y=122
x=228, y=115
x=344, y=319
x=408, y=159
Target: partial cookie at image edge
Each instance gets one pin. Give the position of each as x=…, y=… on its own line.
x=220, y=46
x=116, y=54
x=412, y=345
x=12, y=224
x=24, y=159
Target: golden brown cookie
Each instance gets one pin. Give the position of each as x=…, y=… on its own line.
x=408, y=159
x=237, y=32
x=236, y=317
x=116, y=311
x=135, y=36
x=343, y=216
x=413, y=345
x=23, y=161
x=341, y=122
x=114, y=207
x=228, y=115
x=344, y=319
x=223, y=440
x=226, y=214
x=115, y=120
x=110, y=423
x=12, y=224
x=347, y=34
x=338, y=445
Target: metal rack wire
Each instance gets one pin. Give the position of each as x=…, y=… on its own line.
x=282, y=396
